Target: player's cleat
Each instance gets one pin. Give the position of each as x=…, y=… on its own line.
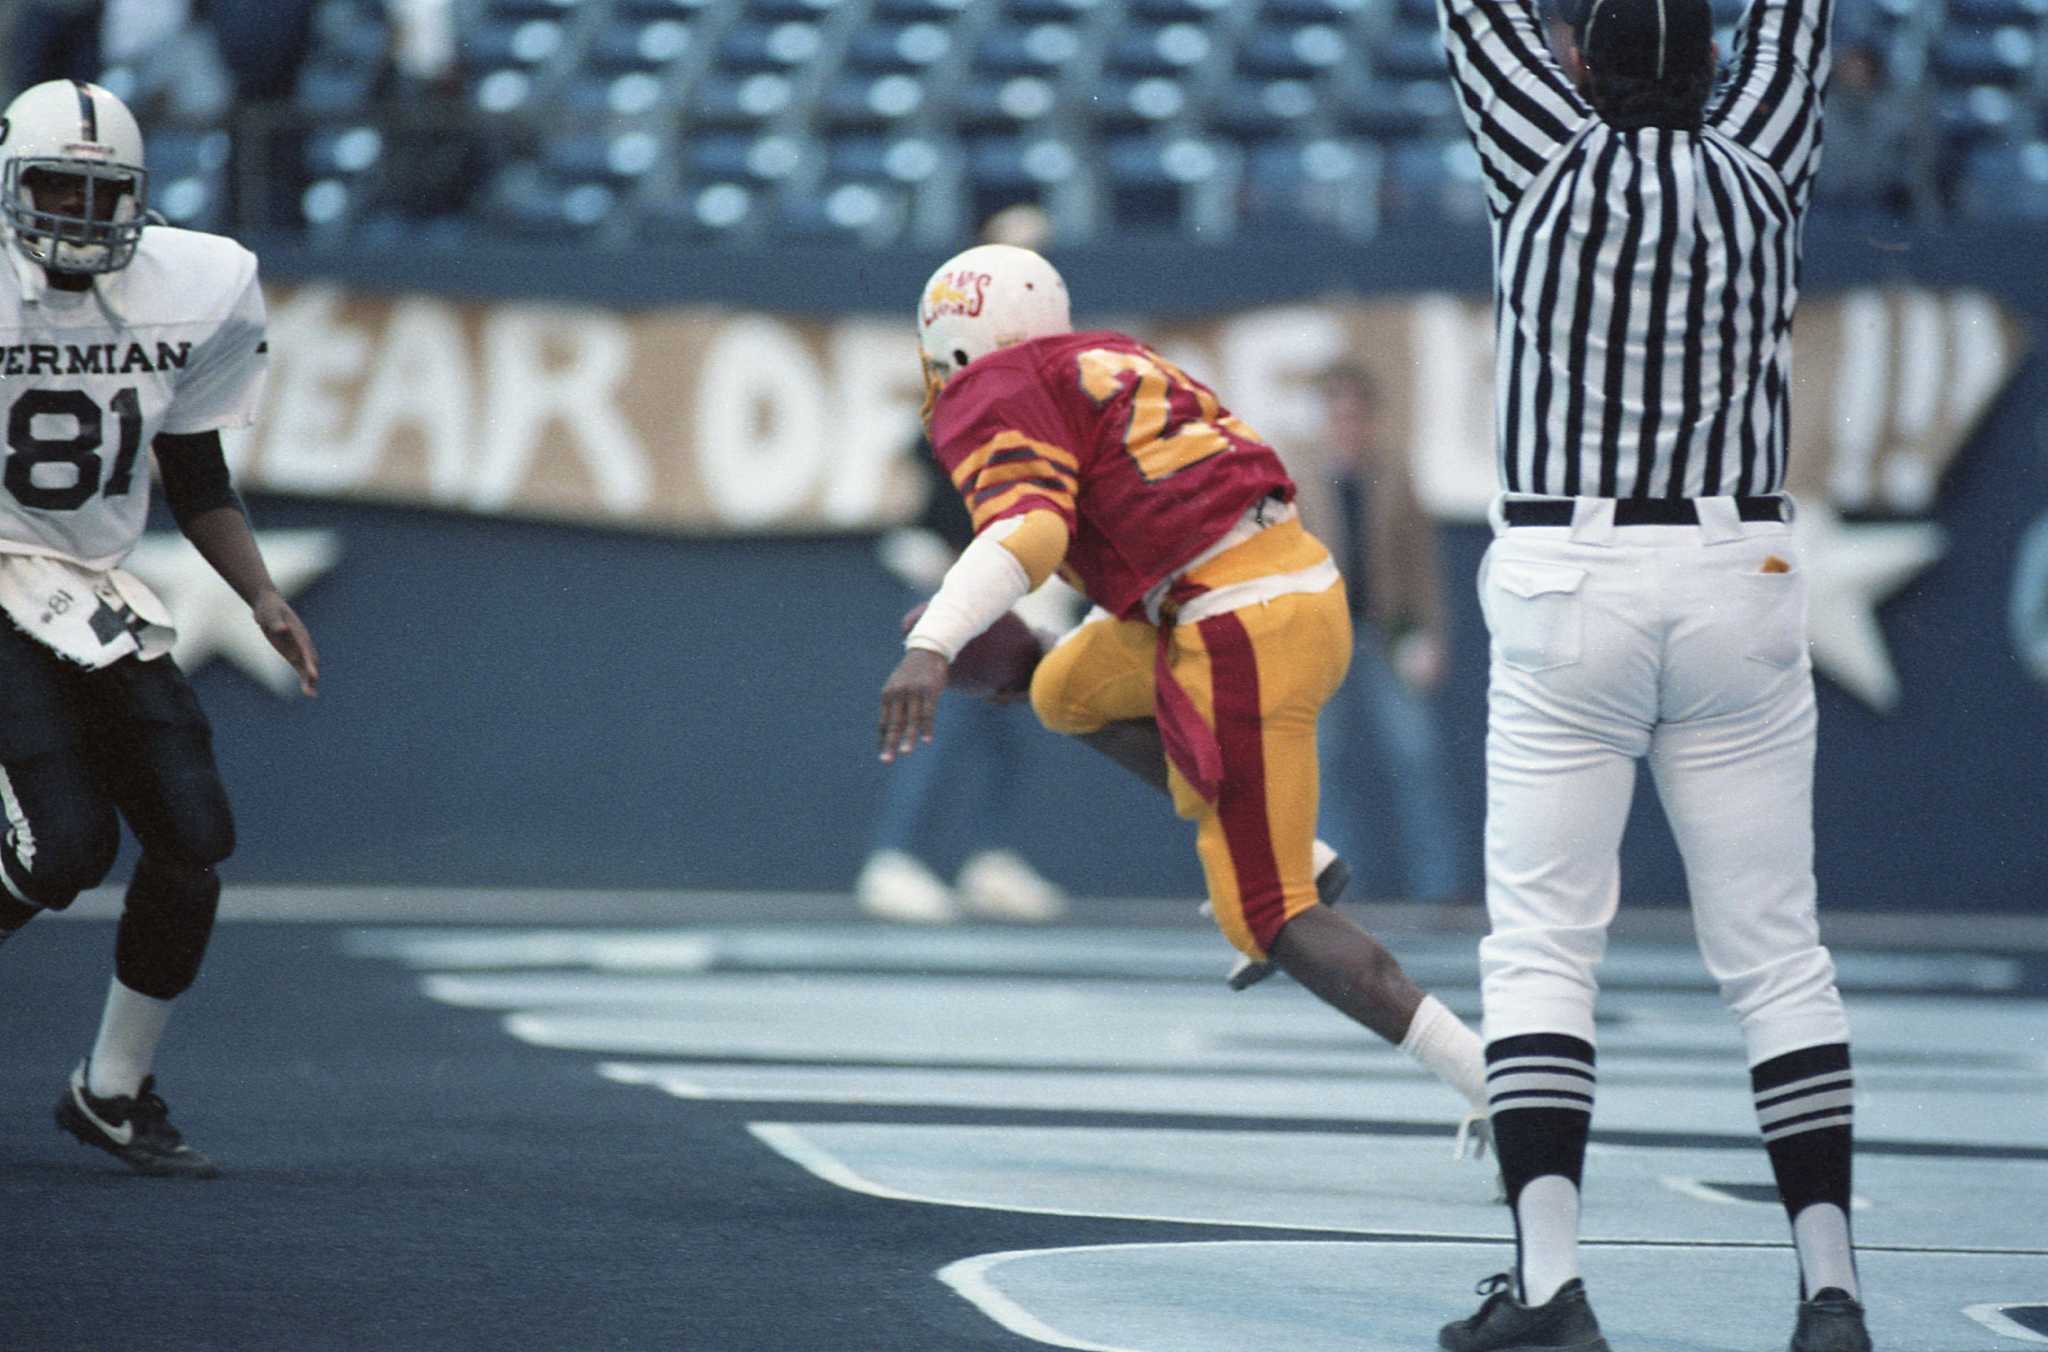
x=1832, y=1321
x=999, y=885
x=1333, y=875
x=1564, y=1323
x=894, y=886
x=136, y=1130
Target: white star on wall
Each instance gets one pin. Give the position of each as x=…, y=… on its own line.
x=1850, y=571
x=214, y=622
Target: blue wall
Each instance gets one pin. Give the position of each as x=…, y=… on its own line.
x=514, y=703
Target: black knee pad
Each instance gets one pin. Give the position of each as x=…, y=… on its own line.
x=165, y=926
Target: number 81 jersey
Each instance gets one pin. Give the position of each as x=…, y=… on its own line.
x=174, y=342
x=1143, y=462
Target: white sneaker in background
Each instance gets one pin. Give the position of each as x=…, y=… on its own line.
x=894, y=886
x=999, y=885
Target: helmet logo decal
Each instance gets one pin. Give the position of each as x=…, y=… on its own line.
x=956, y=293
x=5, y=127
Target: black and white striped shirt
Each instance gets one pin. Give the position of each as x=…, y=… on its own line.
x=1645, y=278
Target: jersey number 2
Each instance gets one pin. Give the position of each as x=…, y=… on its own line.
x=1161, y=442
x=80, y=450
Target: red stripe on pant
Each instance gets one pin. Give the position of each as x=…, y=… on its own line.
x=1241, y=806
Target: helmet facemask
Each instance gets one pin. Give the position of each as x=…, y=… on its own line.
x=73, y=215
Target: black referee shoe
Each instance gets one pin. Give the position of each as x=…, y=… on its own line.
x=1564, y=1323
x=135, y=1130
x=1832, y=1321
x=1330, y=885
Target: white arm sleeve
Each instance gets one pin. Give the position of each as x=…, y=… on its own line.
x=980, y=587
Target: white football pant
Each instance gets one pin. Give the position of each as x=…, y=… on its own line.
x=1611, y=643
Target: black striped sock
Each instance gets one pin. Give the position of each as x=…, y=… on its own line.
x=1539, y=1093
x=1804, y=1108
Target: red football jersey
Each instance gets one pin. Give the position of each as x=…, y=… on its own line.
x=1140, y=458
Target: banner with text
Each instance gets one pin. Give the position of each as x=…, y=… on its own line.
x=707, y=420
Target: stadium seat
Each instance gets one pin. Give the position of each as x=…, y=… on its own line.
x=1019, y=49
x=868, y=214
x=1170, y=49
x=1254, y=110
x=624, y=45
x=1410, y=54
x=188, y=177
x=2006, y=182
x=1318, y=185
x=1433, y=180
x=2001, y=56
x=1303, y=52
x=1119, y=103
x=768, y=47
x=1388, y=110
x=1156, y=185
x=617, y=157
x=853, y=100
x=1313, y=11
x=1177, y=11
x=1019, y=101
x=728, y=100
x=526, y=43
x=1969, y=117
x=898, y=47
x=1993, y=13
x=916, y=11
x=1047, y=11
x=660, y=9
x=700, y=212
x=525, y=200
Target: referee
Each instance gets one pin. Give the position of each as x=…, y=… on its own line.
x=1644, y=594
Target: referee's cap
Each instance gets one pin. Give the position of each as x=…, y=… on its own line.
x=1645, y=39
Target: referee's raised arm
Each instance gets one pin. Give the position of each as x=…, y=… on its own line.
x=1517, y=101
x=1772, y=104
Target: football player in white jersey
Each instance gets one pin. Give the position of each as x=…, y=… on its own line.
x=115, y=334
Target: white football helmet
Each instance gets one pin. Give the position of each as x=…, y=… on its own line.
x=72, y=185
x=992, y=296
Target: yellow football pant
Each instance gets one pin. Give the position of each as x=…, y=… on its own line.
x=1259, y=675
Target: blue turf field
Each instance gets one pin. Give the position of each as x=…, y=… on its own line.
x=763, y=1126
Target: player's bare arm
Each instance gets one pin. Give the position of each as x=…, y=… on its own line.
x=210, y=514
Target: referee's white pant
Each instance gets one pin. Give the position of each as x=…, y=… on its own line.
x=1686, y=644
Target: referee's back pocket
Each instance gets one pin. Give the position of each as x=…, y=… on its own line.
x=1533, y=611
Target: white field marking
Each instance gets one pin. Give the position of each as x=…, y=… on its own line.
x=1993, y=1317
x=626, y=1072
x=1701, y=1192
x=788, y=1141
x=969, y=1280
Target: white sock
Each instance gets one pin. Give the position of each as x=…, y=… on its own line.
x=1448, y=1050
x=126, y=1048
x=1821, y=1235
x=1319, y=856
x=1548, y=1216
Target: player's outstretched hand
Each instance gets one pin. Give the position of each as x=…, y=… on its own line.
x=287, y=633
x=910, y=701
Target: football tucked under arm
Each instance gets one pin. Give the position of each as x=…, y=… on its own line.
x=1005, y=561
x=995, y=664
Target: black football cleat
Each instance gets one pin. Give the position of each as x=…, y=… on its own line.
x=1832, y=1321
x=135, y=1130
x=1564, y=1323
x=1331, y=880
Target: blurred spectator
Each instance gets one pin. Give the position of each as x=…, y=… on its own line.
x=53, y=40
x=161, y=57
x=264, y=43
x=2029, y=607
x=959, y=787
x=1880, y=148
x=1383, y=726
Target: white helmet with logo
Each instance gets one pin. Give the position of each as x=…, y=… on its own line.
x=992, y=296
x=72, y=185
